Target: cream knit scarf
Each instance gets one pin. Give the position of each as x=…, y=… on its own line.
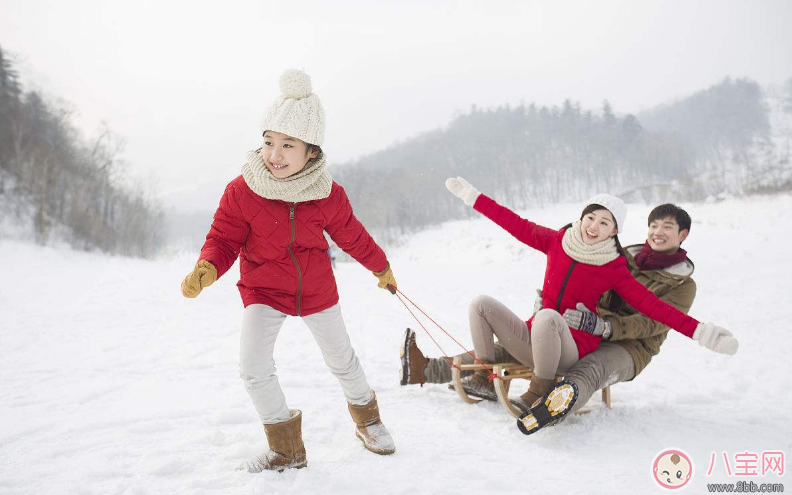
x=312, y=182
x=597, y=254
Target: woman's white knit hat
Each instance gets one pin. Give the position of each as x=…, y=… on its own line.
x=297, y=112
x=615, y=205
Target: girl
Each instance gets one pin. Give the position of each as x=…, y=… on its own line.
x=275, y=214
x=584, y=260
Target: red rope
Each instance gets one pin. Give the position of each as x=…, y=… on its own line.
x=399, y=294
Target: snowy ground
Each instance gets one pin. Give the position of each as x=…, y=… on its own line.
x=112, y=383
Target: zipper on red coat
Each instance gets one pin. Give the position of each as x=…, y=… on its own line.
x=294, y=258
x=563, y=286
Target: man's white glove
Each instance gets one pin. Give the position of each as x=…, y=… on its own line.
x=587, y=321
x=715, y=338
x=462, y=190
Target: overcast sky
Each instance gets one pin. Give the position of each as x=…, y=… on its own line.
x=185, y=83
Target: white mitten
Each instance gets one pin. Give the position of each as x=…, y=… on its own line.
x=715, y=338
x=462, y=190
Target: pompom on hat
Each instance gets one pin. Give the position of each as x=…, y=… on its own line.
x=615, y=205
x=297, y=112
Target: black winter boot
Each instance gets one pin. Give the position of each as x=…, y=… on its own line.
x=553, y=406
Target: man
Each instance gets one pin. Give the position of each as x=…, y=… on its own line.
x=630, y=339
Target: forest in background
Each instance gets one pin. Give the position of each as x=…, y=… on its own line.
x=64, y=185
x=731, y=138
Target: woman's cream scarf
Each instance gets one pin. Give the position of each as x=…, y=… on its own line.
x=311, y=183
x=597, y=254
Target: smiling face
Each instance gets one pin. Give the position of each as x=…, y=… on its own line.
x=673, y=470
x=664, y=235
x=284, y=155
x=597, y=226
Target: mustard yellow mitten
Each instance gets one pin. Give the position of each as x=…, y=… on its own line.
x=203, y=275
x=386, y=279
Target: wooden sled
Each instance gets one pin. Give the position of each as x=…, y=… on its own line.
x=506, y=372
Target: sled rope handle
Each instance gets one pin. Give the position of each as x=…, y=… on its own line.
x=491, y=375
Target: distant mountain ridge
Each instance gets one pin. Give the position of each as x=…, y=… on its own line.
x=732, y=138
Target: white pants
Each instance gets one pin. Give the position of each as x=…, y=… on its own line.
x=260, y=327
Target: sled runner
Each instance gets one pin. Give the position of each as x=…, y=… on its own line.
x=505, y=372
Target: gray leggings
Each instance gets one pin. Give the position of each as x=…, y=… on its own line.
x=609, y=364
x=548, y=348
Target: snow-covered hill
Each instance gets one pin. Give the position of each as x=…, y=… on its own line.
x=112, y=383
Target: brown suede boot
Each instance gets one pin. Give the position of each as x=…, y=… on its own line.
x=536, y=390
x=369, y=428
x=413, y=362
x=286, y=449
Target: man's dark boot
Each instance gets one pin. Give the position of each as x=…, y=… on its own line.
x=550, y=409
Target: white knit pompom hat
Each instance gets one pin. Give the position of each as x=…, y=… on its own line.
x=615, y=205
x=297, y=112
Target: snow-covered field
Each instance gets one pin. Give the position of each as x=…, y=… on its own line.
x=113, y=383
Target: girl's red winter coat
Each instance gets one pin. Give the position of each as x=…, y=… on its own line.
x=282, y=248
x=568, y=282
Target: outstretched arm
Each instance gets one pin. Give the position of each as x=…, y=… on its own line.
x=645, y=301
x=534, y=235
x=639, y=326
x=707, y=335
